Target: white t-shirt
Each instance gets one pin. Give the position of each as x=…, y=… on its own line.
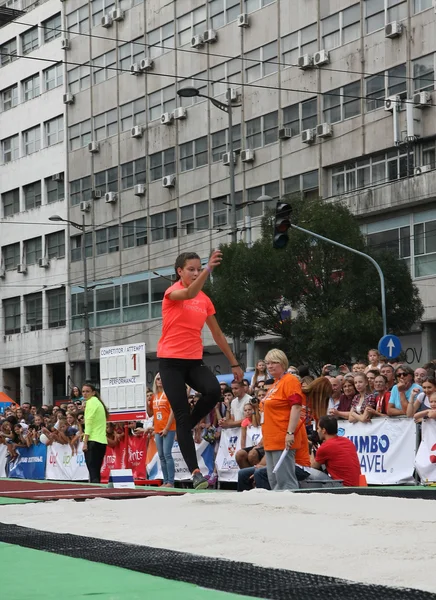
x=237, y=407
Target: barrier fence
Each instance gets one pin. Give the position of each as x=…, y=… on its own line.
x=386, y=450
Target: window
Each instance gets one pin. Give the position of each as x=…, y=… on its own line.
x=106, y=125
x=425, y=248
x=56, y=308
x=420, y=5
x=11, y=256
x=299, y=117
x=76, y=247
x=342, y=103
x=375, y=92
x=11, y=202
x=262, y=130
x=305, y=184
x=135, y=301
x=162, y=163
x=198, y=81
x=31, y=87
x=32, y=195
x=100, y=8
x=52, y=28
x=79, y=79
x=193, y=23
x=107, y=240
x=341, y=28
x=54, y=131
x=304, y=41
x=55, y=190
x=193, y=154
x=108, y=306
x=397, y=83
x=10, y=148
x=162, y=101
x=80, y=190
x=29, y=40
x=12, y=315
x=80, y=134
x=8, y=52
x=396, y=10
x=78, y=20
x=158, y=287
x=220, y=210
x=130, y=53
x=77, y=312
x=309, y=114
x=164, y=226
x=225, y=74
x=429, y=153
x=33, y=250
x=257, y=209
x=261, y=62
x=107, y=66
x=33, y=303
x=423, y=73
x=250, y=5
x=380, y=12
x=53, y=77
x=55, y=243
x=9, y=98
x=107, y=181
x=32, y=140
x=194, y=217
x=132, y=114
x=222, y=12
x=161, y=40
x=395, y=240
x=219, y=142
x=135, y=233
x=132, y=173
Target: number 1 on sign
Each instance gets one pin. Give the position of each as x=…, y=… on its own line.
x=133, y=366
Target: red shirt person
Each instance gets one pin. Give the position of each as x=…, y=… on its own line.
x=338, y=454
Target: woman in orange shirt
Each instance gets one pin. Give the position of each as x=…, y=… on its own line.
x=185, y=310
x=164, y=430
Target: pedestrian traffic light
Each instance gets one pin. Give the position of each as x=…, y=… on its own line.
x=282, y=222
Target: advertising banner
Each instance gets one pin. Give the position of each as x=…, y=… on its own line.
x=254, y=436
x=3, y=452
x=114, y=459
x=136, y=456
x=63, y=465
x=386, y=449
x=425, y=460
x=30, y=463
x=205, y=457
x=230, y=443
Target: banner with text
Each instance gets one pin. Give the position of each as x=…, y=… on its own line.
x=30, y=463
x=386, y=449
x=205, y=457
x=63, y=465
x=113, y=459
x=425, y=460
x=3, y=452
x=230, y=443
x=136, y=456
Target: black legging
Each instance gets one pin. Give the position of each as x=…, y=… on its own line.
x=175, y=374
x=94, y=459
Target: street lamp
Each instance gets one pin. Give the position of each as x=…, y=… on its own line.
x=191, y=92
x=82, y=228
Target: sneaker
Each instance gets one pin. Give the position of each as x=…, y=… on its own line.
x=199, y=482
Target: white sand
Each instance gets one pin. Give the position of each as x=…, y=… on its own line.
x=387, y=541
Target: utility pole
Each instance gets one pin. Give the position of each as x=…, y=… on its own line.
x=85, y=306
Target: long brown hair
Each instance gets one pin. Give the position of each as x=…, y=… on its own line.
x=97, y=395
x=182, y=259
x=318, y=394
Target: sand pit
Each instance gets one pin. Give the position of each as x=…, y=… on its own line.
x=378, y=540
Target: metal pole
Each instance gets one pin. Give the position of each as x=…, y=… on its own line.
x=232, y=170
x=85, y=306
x=376, y=265
x=250, y=343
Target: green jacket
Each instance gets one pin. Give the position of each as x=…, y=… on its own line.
x=95, y=421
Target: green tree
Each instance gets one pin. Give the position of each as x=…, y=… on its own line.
x=334, y=294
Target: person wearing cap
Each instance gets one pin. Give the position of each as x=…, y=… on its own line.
x=402, y=391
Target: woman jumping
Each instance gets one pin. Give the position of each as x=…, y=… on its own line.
x=185, y=310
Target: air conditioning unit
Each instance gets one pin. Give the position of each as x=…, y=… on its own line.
x=85, y=206
x=169, y=181
x=243, y=20
x=117, y=14
x=232, y=95
x=110, y=197
x=57, y=177
x=180, y=113
x=146, y=64
x=139, y=189
x=226, y=159
x=391, y=101
x=136, y=132
x=96, y=194
x=167, y=118
x=27, y=328
x=423, y=169
x=321, y=58
x=65, y=44
x=422, y=99
x=68, y=98
x=94, y=147
x=106, y=21
x=324, y=130
x=210, y=36
x=393, y=30
x=285, y=133
x=196, y=41
x=135, y=69
x=305, y=61
x=22, y=269
x=307, y=136
x=2, y=272
x=44, y=263
x=247, y=156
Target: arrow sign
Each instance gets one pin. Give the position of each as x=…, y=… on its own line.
x=390, y=346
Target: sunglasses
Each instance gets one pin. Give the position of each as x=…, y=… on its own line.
x=402, y=374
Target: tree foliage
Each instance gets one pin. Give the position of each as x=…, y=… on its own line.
x=334, y=294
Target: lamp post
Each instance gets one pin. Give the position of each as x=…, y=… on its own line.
x=191, y=92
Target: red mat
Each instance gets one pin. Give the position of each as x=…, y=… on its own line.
x=19, y=488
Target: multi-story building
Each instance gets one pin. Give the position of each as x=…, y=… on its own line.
x=33, y=270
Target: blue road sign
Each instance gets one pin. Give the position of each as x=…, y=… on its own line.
x=389, y=346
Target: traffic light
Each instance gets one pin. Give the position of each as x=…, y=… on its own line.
x=282, y=222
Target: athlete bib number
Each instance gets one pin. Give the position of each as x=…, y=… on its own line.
x=159, y=416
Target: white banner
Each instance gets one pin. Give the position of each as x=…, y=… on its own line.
x=205, y=458
x=63, y=465
x=425, y=460
x=386, y=449
x=254, y=436
x=230, y=443
x=3, y=452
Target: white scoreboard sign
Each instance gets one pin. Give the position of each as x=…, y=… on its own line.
x=123, y=381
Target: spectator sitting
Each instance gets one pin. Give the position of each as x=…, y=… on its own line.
x=389, y=372
x=382, y=396
x=361, y=400
x=420, y=401
x=428, y=413
x=250, y=419
x=371, y=375
x=345, y=399
x=338, y=454
x=401, y=393
x=235, y=415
